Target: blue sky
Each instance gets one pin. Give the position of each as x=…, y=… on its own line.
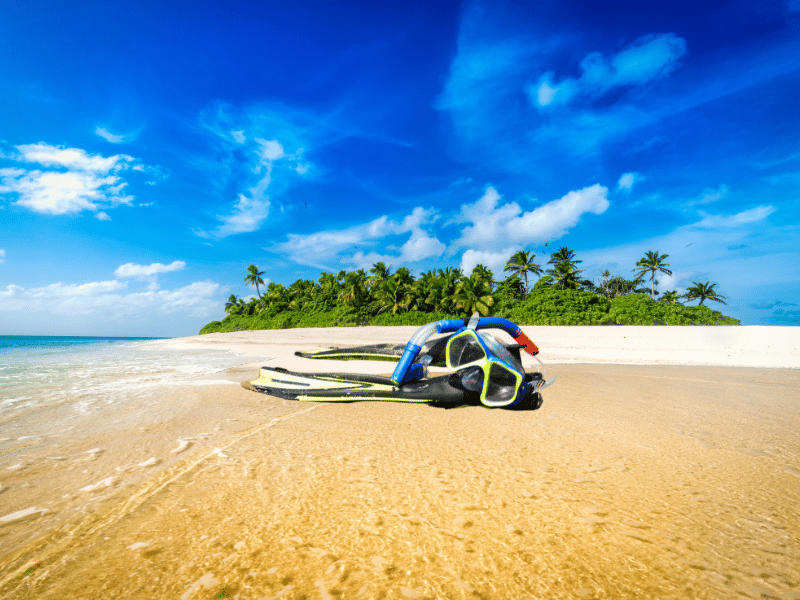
x=150, y=152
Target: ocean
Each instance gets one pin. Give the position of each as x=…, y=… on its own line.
x=84, y=372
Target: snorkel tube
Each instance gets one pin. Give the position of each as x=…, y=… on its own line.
x=402, y=373
x=405, y=371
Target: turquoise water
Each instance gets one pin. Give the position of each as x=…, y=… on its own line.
x=88, y=371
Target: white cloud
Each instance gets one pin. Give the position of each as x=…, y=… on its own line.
x=492, y=225
x=59, y=193
x=650, y=57
x=2, y=255
x=627, y=181
x=102, y=216
x=103, y=298
x=76, y=181
x=140, y=271
x=239, y=136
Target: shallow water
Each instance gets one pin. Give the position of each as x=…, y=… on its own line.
x=629, y=482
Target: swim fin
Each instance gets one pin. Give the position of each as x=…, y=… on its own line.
x=351, y=387
x=434, y=348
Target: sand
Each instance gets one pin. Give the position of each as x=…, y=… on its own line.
x=631, y=481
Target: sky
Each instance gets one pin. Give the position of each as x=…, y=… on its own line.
x=151, y=151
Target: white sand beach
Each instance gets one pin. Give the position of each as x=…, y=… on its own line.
x=667, y=465
x=751, y=346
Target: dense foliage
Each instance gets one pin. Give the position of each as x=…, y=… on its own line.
x=385, y=298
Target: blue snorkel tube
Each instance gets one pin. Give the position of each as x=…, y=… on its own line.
x=406, y=371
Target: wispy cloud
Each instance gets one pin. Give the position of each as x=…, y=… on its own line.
x=2, y=256
x=75, y=180
x=711, y=195
x=257, y=150
x=616, y=92
x=650, y=57
x=715, y=248
x=325, y=248
x=115, y=138
x=745, y=217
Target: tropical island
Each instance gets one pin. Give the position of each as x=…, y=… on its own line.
x=560, y=296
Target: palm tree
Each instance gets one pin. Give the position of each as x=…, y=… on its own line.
x=380, y=273
x=704, y=291
x=483, y=273
x=652, y=262
x=278, y=296
x=392, y=295
x=521, y=263
x=445, y=289
x=354, y=290
x=565, y=275
x=563, y=254
x=254, y=278
x=233, y=302
x=670, y=297
x=473, y=294
x=569, y=266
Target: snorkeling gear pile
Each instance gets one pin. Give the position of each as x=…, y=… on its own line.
x=481, y=368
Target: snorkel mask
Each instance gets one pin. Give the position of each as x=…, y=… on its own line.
x=483, y=364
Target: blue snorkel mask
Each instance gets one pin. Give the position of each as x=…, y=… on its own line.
x=483, y=364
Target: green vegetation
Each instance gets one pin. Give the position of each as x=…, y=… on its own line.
x=561, y=297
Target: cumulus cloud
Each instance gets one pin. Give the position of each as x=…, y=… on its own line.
x=495, y=261
x=650, y=57
x=104, y=298
x=321, y=248
x=627, y=181
x=140, y=271
x=491, y=224
x=75, y=181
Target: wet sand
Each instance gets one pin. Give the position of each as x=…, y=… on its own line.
x=630, y=481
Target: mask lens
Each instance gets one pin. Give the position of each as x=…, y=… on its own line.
x=472, y=378
x=502, y=384
x=462, y=350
